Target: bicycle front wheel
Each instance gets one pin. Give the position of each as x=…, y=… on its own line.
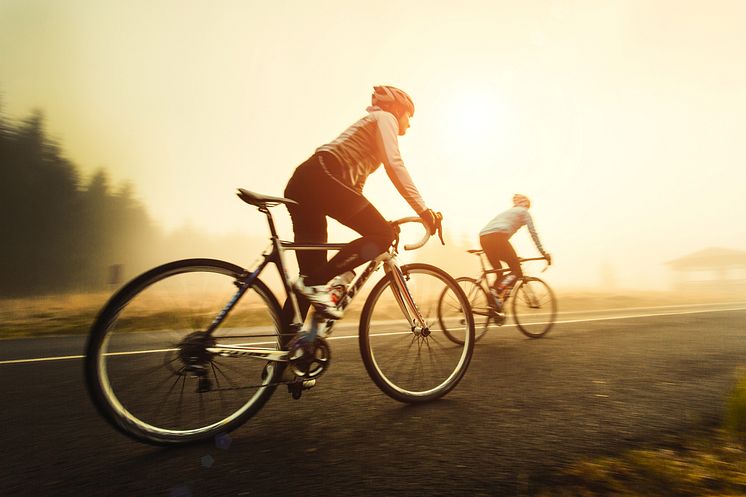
x=534, y=307
x=451, y=314
x=413, y=363
x=149, y=367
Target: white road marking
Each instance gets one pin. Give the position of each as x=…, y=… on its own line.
x=343, y=337
x=43, y=359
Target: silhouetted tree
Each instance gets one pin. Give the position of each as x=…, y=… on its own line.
x=57, y=235
x=59, y=232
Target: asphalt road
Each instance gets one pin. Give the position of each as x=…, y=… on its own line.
x=599, y=383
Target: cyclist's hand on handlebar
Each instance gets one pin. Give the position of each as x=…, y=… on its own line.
x=430, y=220
x=548, y=257
x=433, y=222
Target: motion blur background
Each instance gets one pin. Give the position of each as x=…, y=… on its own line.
x=622, y=120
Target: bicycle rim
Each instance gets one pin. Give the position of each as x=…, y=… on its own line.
x=406, y=364
x=450, y=312
x=147, y=364
x=534, y=307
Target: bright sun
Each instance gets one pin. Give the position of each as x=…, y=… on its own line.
x=474, y=122
x=472, y=119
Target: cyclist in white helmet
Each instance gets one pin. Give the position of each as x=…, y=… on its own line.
x=495, y=237
x=330, y=183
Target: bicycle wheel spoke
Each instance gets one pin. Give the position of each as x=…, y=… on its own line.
x=159, y=406
x=226, y=377
x=169, y=309
x=179, y=411
x=451, y=316
x=238, y=371
x=217, y=383
x=534, y=307
x=425, y=366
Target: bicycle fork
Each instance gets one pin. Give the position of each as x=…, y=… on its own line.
x=533, y=302
x=404, y=298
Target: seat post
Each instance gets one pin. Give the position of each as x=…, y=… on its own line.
x=270, y=221
x=481, y=262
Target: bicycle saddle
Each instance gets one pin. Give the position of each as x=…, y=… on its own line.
x=475, y=251
x=260, y=200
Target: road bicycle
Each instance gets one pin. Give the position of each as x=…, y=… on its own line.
x=194, y=348
x=532, y=303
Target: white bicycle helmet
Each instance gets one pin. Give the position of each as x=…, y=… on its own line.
x=521, y=200
x=385, y=96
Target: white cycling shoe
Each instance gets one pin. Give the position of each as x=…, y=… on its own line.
x=319, y=297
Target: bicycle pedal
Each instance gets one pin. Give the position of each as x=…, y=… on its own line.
x=308, y=384
x=204, y=385
x=499, y=318
x=296, y=388
x=328, y=328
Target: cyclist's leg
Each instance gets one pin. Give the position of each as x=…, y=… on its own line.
x=490, y=250
x=309, y=223
x=377, y=236
x=309, y=226
x=507, y=253
x=492, y=244
x=339, y=201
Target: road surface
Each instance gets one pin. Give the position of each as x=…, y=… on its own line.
x=598, y=383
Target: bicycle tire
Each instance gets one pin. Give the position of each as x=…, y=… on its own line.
x=424, y=379
x=480, y=308
x=534, y=307
x=128, y=334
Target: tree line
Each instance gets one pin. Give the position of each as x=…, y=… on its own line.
x=59, y=232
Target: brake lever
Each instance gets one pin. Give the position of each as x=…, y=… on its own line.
x=439, y=227
x=546, y=265
x=397, y=231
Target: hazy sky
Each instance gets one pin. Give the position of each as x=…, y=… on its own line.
x=624, y=121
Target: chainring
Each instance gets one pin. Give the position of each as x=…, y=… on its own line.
x=308, y=358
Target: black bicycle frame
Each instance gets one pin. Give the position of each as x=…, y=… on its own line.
x=484, y=282
x=275, y=256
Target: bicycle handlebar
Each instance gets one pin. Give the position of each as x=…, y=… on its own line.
x=426, y=236
x=536, y=259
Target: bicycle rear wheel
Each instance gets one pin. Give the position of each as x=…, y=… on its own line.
x=450, y=312
x=534, y=307
x=148, y=367
x=407, y=363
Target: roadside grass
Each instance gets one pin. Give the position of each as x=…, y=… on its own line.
x=711, y=463
x=49, y=315
x=735, y=412
x=703, y=467
x=586, y=301
x=73, y=313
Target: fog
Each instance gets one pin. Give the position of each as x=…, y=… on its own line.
x=622, y=120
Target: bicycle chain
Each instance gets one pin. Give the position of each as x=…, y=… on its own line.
x=227, y=389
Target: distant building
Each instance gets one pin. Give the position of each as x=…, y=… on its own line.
x=710, y=269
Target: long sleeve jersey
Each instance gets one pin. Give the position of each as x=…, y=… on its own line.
x=368, y=143
x=510, y=221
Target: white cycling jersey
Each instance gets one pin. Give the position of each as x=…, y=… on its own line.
x=368, y=143
x=510, y=221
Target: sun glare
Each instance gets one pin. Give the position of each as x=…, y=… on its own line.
x=474, y=121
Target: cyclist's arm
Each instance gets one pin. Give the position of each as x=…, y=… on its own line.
x=388, y=129
x=534, y=234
